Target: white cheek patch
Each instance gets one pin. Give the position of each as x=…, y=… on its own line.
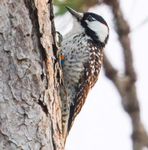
x=100, y=29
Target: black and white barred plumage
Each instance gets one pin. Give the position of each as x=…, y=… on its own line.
x=83, y=51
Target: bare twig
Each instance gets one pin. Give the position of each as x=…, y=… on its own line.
x=125, y=83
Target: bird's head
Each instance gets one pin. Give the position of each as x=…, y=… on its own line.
x=94, y=25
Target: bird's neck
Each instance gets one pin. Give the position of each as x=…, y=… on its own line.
x=76, y=29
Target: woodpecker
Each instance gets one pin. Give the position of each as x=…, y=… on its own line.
x=82, y=48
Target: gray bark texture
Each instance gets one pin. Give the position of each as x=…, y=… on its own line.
x=30, y=114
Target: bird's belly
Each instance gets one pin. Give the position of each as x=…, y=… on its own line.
x=73, y=72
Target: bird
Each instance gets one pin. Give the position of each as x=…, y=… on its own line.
x=82, y=48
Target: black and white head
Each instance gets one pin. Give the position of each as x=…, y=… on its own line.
x=93, y=25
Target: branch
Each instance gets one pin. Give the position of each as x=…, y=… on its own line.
x=125, y=83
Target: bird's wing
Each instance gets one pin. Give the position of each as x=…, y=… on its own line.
x=87, y=81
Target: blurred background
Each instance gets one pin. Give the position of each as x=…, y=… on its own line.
x=103, y=123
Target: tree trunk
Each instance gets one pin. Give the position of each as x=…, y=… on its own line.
x=30, y=114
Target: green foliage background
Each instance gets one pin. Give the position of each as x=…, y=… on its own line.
x=78, y=5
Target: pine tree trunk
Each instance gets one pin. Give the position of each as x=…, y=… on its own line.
x=30, y=115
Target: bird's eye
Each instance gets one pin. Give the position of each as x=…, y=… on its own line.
x=90, y=18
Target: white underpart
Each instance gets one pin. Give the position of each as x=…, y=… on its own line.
x=99, y=28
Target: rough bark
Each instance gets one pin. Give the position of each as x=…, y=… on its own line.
x=30, y=116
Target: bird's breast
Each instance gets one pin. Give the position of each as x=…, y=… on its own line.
x=76, y=54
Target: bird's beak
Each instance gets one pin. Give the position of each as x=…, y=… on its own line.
x=77, y=15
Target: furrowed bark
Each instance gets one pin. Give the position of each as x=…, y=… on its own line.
x=30, y=114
